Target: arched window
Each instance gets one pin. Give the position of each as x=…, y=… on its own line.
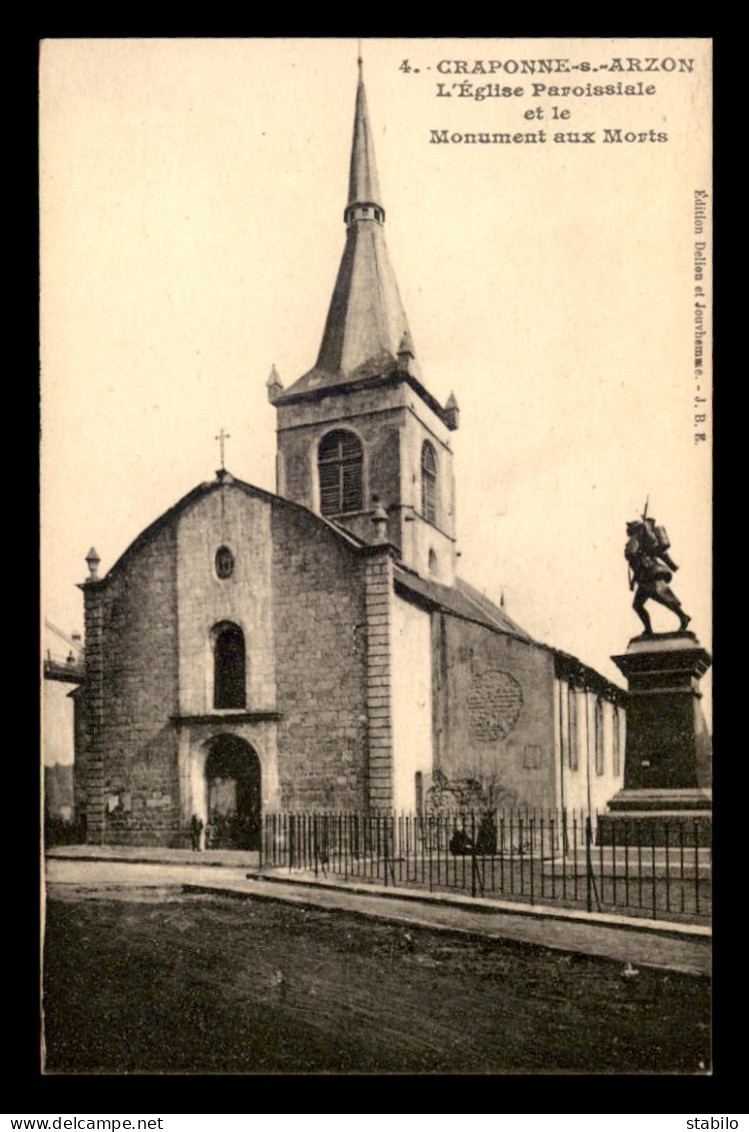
x=339, y=462
x=428, y=483
x=572, y=725
x=228, y=666
x=598, y=733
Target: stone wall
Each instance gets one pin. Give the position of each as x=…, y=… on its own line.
x=379, y=606
x=233, y=518
x=392, y=422
x=419, y=537
x=374, y=415
x=139, y=792
x=493, y=712
x=320, y=637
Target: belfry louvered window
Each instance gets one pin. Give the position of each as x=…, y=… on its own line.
x=428, y=483
x=339, y=461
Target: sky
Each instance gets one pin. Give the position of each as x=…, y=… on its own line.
x=192, y=195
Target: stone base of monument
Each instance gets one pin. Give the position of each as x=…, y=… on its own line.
x=667, y=795
x=658, y=817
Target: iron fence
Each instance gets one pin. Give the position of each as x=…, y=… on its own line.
x=550, y=857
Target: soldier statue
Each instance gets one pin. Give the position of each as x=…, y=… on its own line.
x=651, y=569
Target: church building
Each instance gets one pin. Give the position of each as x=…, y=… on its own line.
x=315, y=649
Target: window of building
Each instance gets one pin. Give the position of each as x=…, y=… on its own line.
x=432, y=562
x=419, y=791
x=598, y=734
x=228, y=666
x=532, y=756
x=616, y=745
x=563, y=732
x=339, y=462
x=572, y=726
x=428, y=482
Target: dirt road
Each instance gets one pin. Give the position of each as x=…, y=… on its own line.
x=154, y=980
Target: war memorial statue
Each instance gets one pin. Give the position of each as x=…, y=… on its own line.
x=651, y=569
x=668, y=753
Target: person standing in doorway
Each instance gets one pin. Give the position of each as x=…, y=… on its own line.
x=196, y=828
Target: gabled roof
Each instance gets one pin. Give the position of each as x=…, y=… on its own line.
x=461, y=600
x=71, y=642
x=223, y=479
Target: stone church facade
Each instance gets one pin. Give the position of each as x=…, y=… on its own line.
x=314, y=649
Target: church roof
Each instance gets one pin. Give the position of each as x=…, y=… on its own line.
x=366, y=321
x=581, y=675
x=223, y=478
x=466, y=602
x=462, y=600
x=494, y=613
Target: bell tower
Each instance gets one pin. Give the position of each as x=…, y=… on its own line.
x=359, y=431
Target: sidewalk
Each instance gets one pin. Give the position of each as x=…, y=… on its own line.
x=156, y=855
x=678, y=947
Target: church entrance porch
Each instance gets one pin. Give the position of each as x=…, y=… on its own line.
x=233, y=789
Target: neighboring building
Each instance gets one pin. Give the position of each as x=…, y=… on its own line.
x=63, y=672
x=58, y=791
x=314, y=649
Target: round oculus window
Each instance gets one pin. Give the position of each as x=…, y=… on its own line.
x=224, y=562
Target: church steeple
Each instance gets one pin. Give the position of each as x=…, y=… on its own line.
x=363, y=184
x=361, y=441
x=366, y=321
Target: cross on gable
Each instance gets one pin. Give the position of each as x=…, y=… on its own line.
x=221, y=438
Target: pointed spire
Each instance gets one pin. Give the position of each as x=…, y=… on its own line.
x=405, y=351
x=452, y=410
x=363, y=183
x=274, y=385
x=366, y=321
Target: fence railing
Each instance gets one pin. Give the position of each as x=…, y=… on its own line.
x=550, y=856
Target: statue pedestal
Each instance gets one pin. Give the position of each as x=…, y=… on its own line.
x=668, y=761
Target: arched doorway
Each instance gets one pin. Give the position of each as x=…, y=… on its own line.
x=233, y=780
